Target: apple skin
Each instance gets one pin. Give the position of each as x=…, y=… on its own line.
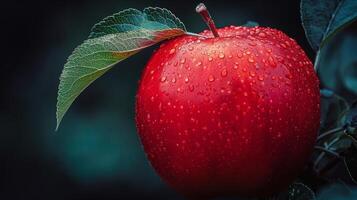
x=233, y=115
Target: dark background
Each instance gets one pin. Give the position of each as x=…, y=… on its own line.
x=96, y=154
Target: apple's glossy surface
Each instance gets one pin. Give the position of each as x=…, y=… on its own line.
x=233, y=115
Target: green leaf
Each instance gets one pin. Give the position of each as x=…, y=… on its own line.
x=338, y=64
x=133, y=20
x=114, y=39
x=298, y=191
x=351, y=162
x=323, y=18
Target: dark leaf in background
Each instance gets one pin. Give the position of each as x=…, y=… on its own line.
x=350, y=121
x=323, y=18
x=351, y=162
x=351, y=116
x=338, y=64
x=332, y=108
x=337, y=192
x=342, y=144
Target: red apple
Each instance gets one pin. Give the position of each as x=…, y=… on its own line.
x=236, y=114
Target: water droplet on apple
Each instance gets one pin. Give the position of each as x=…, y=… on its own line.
x=172, y=51
x=183, y=60
x=163, y=79
x=191, y=87
x=221, y=55
x=224, y=72
x=271, y=61
x=173, y=80
x=251, y=59
x=235, y=66
x=186, y=80
x=210, y=59
x=261, y=34
x=211, y=78
x=160, y=106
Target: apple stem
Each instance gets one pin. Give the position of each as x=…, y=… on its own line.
x=202, y=10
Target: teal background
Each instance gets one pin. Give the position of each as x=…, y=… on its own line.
x=96, y=154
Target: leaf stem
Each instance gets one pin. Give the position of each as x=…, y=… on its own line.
x=330, y=132
x=317, y=60
x=352, y=138
x=196, y=35
x=327, y=151
x=322, y=154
